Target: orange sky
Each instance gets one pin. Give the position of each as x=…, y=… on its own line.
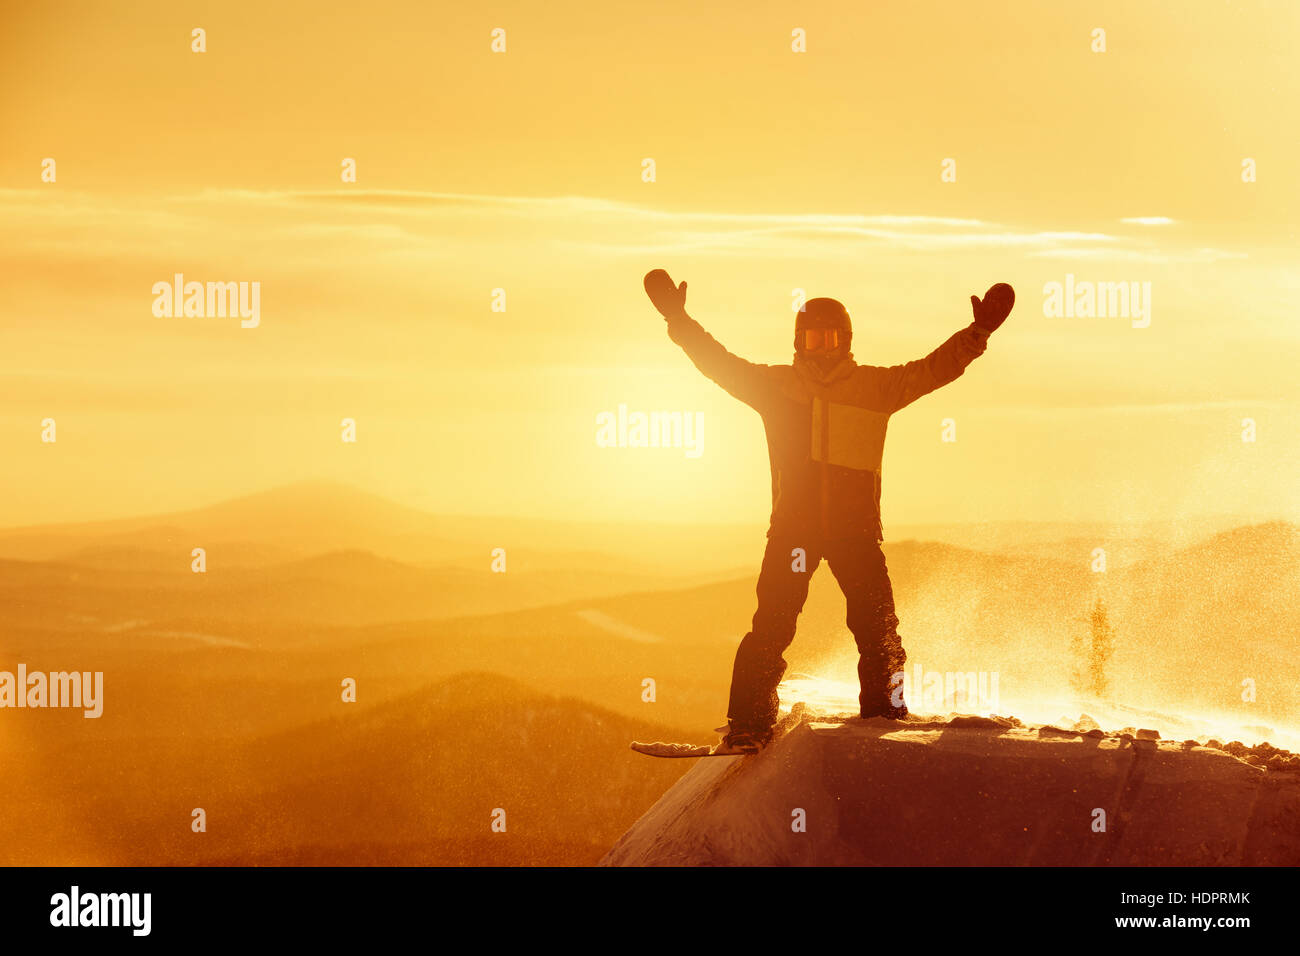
x=522, y=171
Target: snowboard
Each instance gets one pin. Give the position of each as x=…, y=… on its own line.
x=661, y=749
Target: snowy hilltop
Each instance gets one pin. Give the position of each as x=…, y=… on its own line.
x=964, y=791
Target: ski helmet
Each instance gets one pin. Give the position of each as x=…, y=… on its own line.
x=822, y=325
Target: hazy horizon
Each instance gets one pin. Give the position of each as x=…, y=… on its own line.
x=93, y=516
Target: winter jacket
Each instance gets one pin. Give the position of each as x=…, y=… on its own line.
x=826, y=430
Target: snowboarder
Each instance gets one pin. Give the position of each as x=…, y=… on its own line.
x=825, y=417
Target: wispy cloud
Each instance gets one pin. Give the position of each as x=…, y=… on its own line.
x=418, y=200
x=1044, y=408
x=1140, y=255
x=428, y=221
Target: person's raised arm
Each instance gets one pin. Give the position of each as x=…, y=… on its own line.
x=742, y=379
x=904, y=384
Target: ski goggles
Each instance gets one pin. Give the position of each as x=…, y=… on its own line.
x=819, y=340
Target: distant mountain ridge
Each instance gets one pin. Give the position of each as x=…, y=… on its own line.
x=307, y=518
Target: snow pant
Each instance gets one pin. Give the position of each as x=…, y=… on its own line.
x=858, y=564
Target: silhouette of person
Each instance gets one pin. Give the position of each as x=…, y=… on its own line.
x=825, y=417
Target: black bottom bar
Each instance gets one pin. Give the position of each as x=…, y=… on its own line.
x=910, y=906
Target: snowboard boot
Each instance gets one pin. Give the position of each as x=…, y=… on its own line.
x=744, y=741
x=885, y=709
